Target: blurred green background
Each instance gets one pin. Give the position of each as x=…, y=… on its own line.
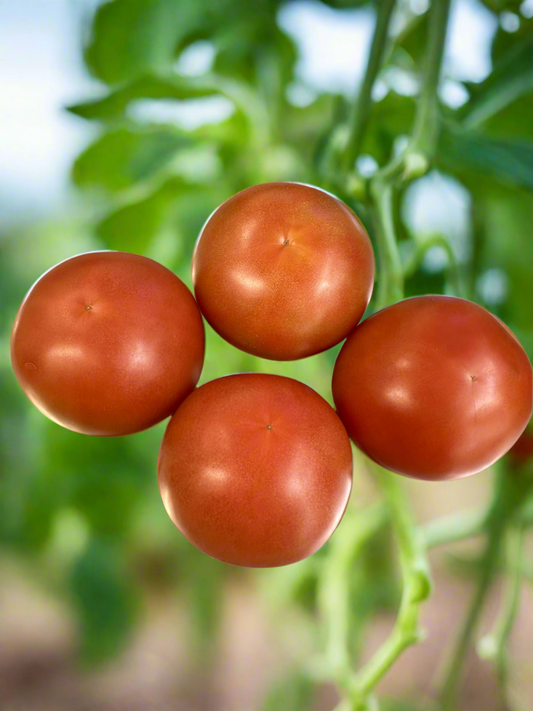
x=122, y=126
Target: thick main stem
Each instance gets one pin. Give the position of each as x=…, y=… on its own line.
x=363, y=103
x=426, y=129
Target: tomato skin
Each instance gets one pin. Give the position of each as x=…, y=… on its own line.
x=255, y=470
x=108, y=343
x=283, y=270
x=433, y=387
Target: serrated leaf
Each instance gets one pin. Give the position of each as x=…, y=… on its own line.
x=105, y=601
x=508, y=161
x=171, y=86
x=131, y=37
x=123, y=157
x=511, y=78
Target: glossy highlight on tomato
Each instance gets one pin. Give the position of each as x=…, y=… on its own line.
x=255, y=470
x=283, y=270
x=108, y=343
x=433, y=387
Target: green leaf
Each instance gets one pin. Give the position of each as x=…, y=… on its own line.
x=131, y=37
x=103, y=478
x=504, y=41
x=133, y=227
x=120, y=158
x=511, y=78
x=114, y=105
x=391, y=117
x=105, y=600
x=514, y=121
x=506, y=219
x=508, y=161
x=413, y=39
x=205, y=578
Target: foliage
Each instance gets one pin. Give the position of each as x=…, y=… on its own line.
x=151, y=178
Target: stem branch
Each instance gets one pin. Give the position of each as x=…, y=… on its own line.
x=416, y=588
x=391, y=280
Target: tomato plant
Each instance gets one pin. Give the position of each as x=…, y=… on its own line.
x=108, y=343
x=283, y=270
x=433, y=387
x=152, y=178
x=256, y=470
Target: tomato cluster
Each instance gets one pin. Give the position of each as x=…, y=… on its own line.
x=256, y=469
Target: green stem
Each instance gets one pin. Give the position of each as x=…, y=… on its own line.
x=506, y=505
x=494, y=645
x=454, y=672
x=391, y=280
x=455, y=527
x=416, y=588
x=363, y=103
x=453, y=269
x=333, y=593
x=427, y=122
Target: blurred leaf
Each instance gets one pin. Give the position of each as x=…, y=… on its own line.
x=205, y=577
x=391, y=117
x=507, y=216
x=513, y=121
x=508, y=161
x=504, y=41
x=102, y=477
x=498, y=6
x=130, y=37
x=293, y=693
x=120, y=158
x=388, y=704
x=133, y=227
x=106, y=602
x=171, y=86
x=345, y=4
x=250, y=111
x=303, y=126
x=413, y=39
x=511, y=78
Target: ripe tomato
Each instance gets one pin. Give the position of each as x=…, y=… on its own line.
x=283, y=270
x=433, y=387
x=108, y=343
x=255, y=470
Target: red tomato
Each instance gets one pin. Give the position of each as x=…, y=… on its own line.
x=283, y=270
x=108, y=343
x=433, y=387
x=255, y=470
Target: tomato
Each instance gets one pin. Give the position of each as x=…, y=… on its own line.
x=108, y=343
x=255, y=470
x=283, y=270
x=433, y=387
